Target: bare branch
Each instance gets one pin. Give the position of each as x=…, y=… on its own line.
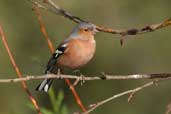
x=104, y=77
x=62, y=12
x=134, y=31
x=17, y=70
x=54, y=8
x=168, y=108
x=43, y=28
x=155, y=77
x=100, y=103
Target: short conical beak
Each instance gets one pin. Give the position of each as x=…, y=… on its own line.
x=95, y=31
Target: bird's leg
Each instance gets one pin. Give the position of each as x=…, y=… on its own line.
x=80, y=77
x=59, y=74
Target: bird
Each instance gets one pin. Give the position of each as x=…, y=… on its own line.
x=74, y=52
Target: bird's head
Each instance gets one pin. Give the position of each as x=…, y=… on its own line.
x=84, y=30
x=87, y=28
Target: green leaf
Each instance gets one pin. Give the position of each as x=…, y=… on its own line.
x=64, y=110
x=56, y=101
x=46, y=111
x=43, y=110
x=53, y=98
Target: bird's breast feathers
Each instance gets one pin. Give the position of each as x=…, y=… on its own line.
x=77, y=53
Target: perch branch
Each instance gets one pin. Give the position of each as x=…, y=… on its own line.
x=104, y=77
x=155, y=77
x=20, y=75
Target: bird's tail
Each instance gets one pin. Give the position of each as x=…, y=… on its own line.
x=44, y=85
x=51, y=68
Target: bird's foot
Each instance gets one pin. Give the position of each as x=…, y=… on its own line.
x=80, y=78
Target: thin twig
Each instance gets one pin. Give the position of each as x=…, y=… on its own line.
x=86, y=78
x=98, y=104
x=131, y=96
x=134, y=31
x=54, y=8
x=51, y=47
x=24, y=86
x=168, y=108
x=62, y=12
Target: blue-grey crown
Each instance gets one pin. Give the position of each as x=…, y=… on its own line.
x=81, y=25
x=85, y=25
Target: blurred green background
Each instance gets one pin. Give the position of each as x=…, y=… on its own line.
x=147, y=53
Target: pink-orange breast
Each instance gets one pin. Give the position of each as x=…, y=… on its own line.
x=78, y=53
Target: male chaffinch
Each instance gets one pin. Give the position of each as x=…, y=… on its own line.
x=74, y=52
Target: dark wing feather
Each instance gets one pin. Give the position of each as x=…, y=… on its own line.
x=51, y=66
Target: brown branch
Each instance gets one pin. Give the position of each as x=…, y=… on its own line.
x=77, y=98
x=43, y=28
x=56, y=9
x=73, y=77
x=100, y=103
x=51, y=47
x=134, y=31
x=155, y=77
x=24, y=86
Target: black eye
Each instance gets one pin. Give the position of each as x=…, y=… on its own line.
x=86, y=30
